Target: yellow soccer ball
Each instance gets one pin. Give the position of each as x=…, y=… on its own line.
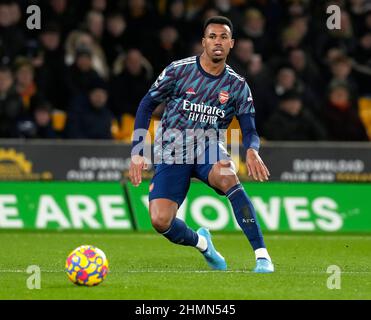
x=87, y=266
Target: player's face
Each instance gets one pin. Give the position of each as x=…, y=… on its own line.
x=217, y=42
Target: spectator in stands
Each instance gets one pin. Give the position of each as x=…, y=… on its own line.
x=294, y=35
x=363, y=53
x=62, y=12
x=175, y=16
x=78, y=39
x=341, y=69
x=90, y=116
x=195, y=8
x=259, y=79
x=301, y=26
x=43, y=121
x=342, y=38
x=366, y=25
x=12, y=38
x=207, y=13
x=289, y=39
x=37, y=125
x=99, y=5
x=167, y=49
x=362, y=64
x=25, y=81
x=330, y=55
x=306, y=70
x=129, y=87
x=341, y=115
x=10, y=104
x=295, y=9
x=81, y=74
x=15, y=13
x=50, y=75
x=292, y=122
x=196, y=48
x=250, y=65
x=254, y=28
x=306, y=56
x=357, y=12
x=286, y=80
x=226, y=9
x=241, y=56
x=142, y=24
x=115, y=37
x=94, y=23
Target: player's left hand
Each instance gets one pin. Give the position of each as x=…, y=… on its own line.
x=137, y=164
x=255, y=166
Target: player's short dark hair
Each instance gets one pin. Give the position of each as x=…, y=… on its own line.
x=219, y=20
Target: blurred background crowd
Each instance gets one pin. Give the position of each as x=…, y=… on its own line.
x=83, y=74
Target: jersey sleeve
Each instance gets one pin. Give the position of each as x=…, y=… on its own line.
x=164, y=85
x=245, y=113
x=244, y=101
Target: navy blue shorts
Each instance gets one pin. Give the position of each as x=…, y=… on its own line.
x=172, y=181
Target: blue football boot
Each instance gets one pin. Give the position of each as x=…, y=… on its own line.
x=213, y=258
x=263, y=265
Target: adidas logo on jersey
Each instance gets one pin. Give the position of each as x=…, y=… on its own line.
x=190, y=91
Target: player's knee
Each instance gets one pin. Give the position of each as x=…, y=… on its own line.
x=225, y=163
x=226, y=182
x=160, y=221
x=227, y=167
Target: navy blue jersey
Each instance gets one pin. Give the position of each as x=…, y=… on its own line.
x=195, y=99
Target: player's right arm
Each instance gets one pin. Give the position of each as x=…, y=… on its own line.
x=159, y=91
x=246, y=117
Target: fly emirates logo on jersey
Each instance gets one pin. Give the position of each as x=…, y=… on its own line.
x=203, y=113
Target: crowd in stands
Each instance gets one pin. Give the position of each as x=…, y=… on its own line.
x=83, y=74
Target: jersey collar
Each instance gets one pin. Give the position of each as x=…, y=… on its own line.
x=206, y=74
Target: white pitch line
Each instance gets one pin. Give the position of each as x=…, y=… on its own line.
x=24, y=271
x=330, y=237
x=193, y=271
x=239, y=271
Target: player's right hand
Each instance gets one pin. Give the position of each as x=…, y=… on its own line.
x=137, y=164
x=256, y=166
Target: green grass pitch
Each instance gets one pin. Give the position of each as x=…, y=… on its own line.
x=147, y=266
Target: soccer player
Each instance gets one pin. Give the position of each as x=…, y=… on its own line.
x=204, y=93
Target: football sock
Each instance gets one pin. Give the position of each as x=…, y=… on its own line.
x=180, y=233
x=262, y=253
x=202, y=243
x=245, y=215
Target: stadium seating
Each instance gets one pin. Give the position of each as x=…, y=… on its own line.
x=59, y=118
x=122, y=130
x=365, y=113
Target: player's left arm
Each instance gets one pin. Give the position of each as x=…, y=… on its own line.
x=250, y=138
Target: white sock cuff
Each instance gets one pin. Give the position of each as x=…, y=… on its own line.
x=202, y=243
x=262, y=253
